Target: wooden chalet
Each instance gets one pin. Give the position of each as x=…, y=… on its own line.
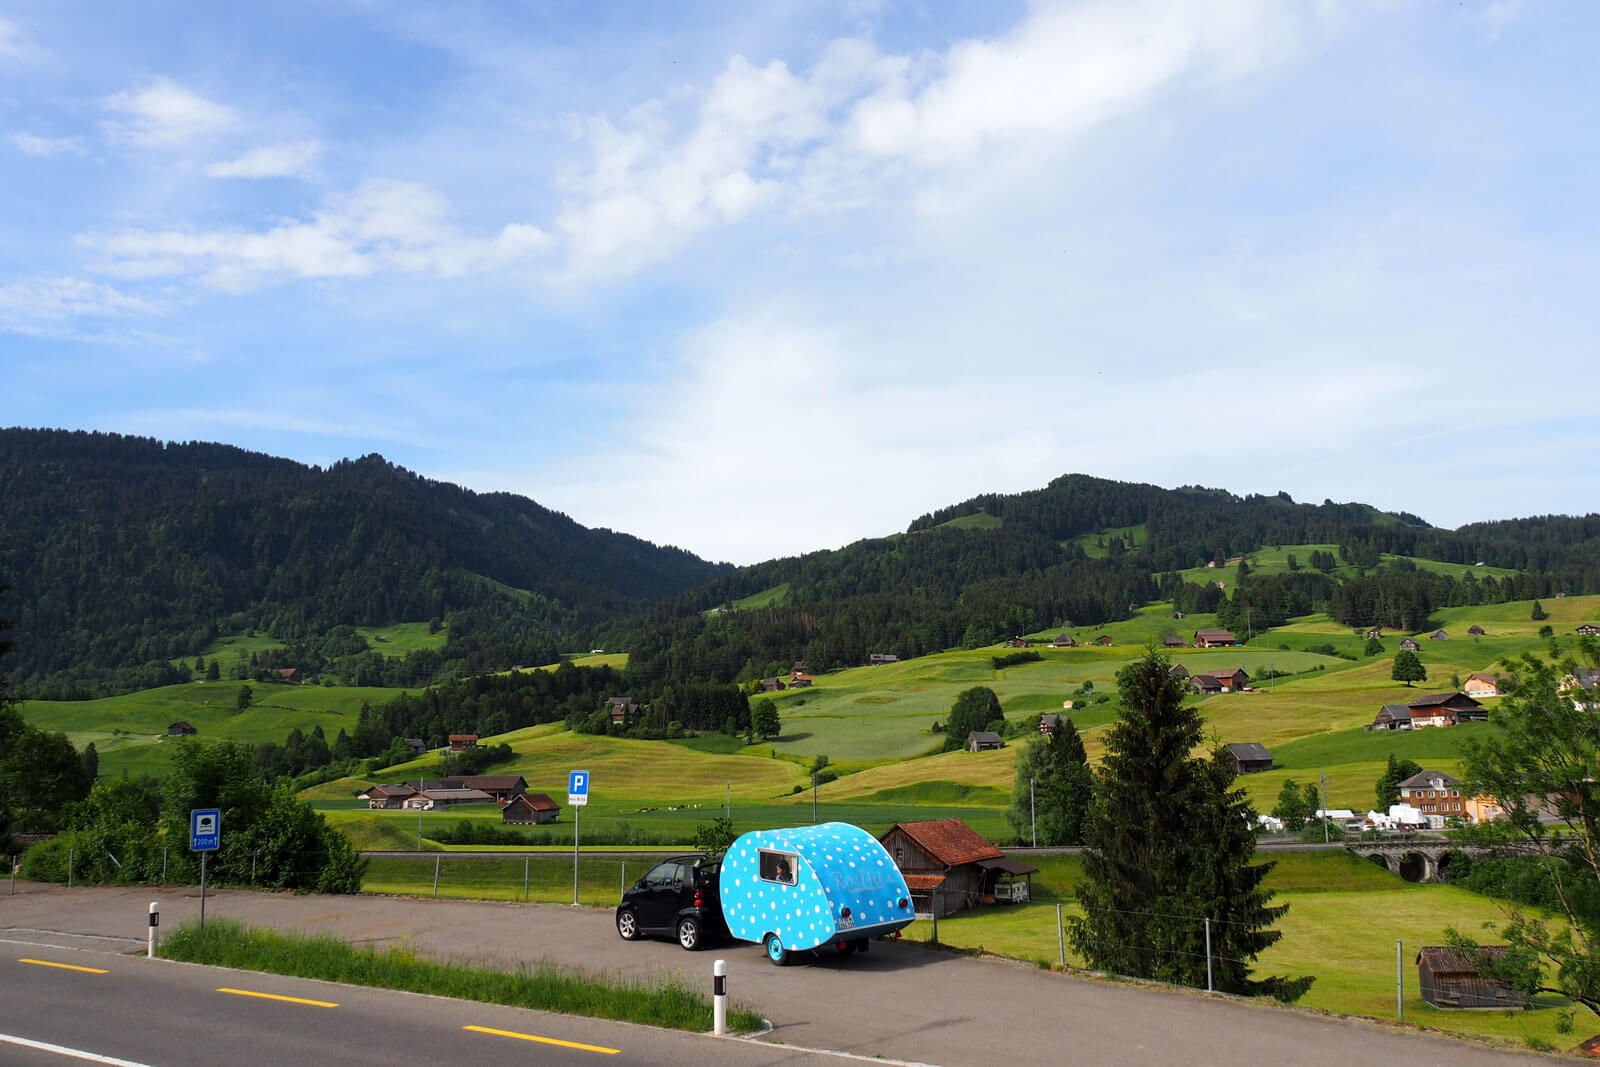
x=623, y=710
x=798, y=680
x=1446, y=709
x=288, y=674
x=1064, y=641
x=1483, y=685
x=1049, y=721
x=1017, y=642
x=772, y=685
x=1180, y=672
x=948, y=866
x=415, y=744
x=1588, y=629
x=878, y=659
x=1438, y=635
x=1409, y=644
x=1173, y=641
x=1392, y=717
x=1214, y=639
x=462, y=742
x=180, y=729
x=1451, y=977
x=1228, y=681
x=437, y=799
x=502, y=787
x=1375, y=634
x=1103, y=639
x=527, y=809
x=1248, y=757
x=387, y=797
x=1476, y=631
x=984, y=741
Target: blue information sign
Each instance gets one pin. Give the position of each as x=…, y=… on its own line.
x=205, y=830
x=577, y=788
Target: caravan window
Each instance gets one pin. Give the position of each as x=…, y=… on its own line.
x=778, y=866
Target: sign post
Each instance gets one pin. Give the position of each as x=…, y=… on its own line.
x=577, y=797
x=205, y=836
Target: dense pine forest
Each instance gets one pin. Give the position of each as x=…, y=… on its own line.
x=125, y=554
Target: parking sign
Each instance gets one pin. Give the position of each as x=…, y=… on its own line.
x=205, y=830
x=577, y=788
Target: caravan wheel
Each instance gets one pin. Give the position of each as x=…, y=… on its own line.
x=775, y=950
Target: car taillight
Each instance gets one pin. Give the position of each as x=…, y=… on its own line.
x=699, y=899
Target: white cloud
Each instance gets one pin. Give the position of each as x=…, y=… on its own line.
x=381, y=226
x=44, y=147
x=289, y=160
x=14, y=47
x=164, y=113
x=56, y=307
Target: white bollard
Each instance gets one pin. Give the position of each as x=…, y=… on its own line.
x=155, y=921
x=719, y=998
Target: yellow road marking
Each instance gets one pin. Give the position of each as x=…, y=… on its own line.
x=66, y=966
x=275, y=996
x=543, y=1040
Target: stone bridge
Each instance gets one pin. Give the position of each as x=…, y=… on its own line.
x=1417, y=859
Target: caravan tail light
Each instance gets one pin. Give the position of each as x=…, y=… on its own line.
x=902, y=902
x=844, y=913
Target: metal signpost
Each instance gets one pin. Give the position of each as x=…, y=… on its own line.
x=205, y=836
x=577, y=797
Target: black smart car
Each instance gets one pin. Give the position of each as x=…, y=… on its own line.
x=676, y=898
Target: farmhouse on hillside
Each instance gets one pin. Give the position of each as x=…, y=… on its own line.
x=1392, y=717
x=1449, y=978
x=1483, y=685
x=1214, y=639
x=381, y=797
x=1446, y=709
x=1064, y=641
x=1409, y=644
x=180, y=729
x=623, y=710
x=1222, y=680
x=877, y=659
x=948, y=866
x=463, y=742
x=1249, y=757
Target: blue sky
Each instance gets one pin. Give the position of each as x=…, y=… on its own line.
x=760, y=279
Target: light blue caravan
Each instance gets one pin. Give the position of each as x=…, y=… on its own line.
x=796, y=889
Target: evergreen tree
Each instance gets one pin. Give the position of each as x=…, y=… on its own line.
x=1389, y=783
x=1539, y=614
x=1169, y=844
x=1054, y=788
x=1292, y=807
x=1408, y=668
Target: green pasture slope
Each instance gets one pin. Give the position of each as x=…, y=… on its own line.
x=129, y=732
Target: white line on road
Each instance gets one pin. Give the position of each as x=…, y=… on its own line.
x=62, y=1050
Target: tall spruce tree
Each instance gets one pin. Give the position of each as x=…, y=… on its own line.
x=1169, y=844
x=1054, y=788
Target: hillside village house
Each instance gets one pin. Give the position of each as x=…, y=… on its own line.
x=462, y=742
x=180, y=729
x=1589, y=629
x=1214, y=639
x=1064, y=641
x=1172, y=641
x=1446, y=709
x=1180, y=672
x=1438, y=635
x=288, y=674
x=1220, y=681
x=1392, y=717
x=799, y=681
x=439, y=799
x=877, y=659
x=948, y=866
x=1049, y=721
x=623, y=710
x=1249, y=757
x=386, y=797
x=1483, y=685
x=496, y=788
x=1440, y=797
x=1103, y=639
x=1476, y=631
x=1409, y=644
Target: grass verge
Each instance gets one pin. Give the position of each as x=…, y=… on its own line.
x=662, y=1001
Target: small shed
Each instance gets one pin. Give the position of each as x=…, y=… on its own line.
x=1449, y=978
x=983, y=741
x=529, y=809
x=180, y=729
x=1249, y=757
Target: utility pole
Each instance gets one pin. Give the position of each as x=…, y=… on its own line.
x=1033, y=822
x=813, y=797
x=1322, y=791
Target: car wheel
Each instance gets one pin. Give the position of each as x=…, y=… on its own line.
x=775, y=950
x=628, y=925
x=689, y=933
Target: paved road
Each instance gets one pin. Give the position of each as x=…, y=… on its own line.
x=899, y=1002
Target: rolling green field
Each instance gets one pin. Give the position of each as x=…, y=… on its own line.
x=129, y=732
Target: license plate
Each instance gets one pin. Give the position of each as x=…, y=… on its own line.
x=847, y=922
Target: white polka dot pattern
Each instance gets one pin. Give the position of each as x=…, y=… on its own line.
x=841, y=866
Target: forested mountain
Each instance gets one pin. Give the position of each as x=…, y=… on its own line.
x=999, y=565
x=125, y=553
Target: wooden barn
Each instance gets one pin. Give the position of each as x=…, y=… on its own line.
x=529, y=809
x=949, y=866
x=1449, y=978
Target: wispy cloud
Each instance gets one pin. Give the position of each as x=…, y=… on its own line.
x=164, y=113
x=290, y=160
x=381, y=226
x=66, y=308
x=15, y=48
x=44, y=147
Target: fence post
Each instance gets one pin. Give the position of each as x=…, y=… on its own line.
x=719, y=998
x=1061, y=937
x=436, y=861
x=152, y=938
x=1208, y=955
x=1399, y=980
x=525, y=860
